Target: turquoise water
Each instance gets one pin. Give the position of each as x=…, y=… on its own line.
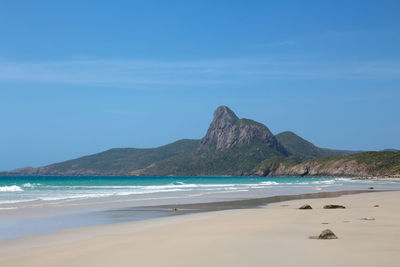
x=32, y=191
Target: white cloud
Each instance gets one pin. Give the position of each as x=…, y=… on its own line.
x=131, y=73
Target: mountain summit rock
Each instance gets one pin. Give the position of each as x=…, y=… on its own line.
x=228, y=131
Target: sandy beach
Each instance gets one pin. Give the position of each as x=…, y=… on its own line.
x=276, y=235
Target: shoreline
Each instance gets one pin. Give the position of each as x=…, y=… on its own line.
x=395, y=178
x=249, y=236
x=47, y=220
x=388, y=178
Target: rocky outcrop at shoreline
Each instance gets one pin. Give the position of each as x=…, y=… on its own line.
x=367, y=165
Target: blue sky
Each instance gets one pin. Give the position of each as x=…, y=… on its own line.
x=79, y=78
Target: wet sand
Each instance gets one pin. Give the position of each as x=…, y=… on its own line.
x=276, y=235
x=42, y=220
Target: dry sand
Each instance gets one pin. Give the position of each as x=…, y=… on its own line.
x=277, y=235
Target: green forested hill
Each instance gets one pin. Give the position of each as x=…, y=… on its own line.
x=301, y=149
x=234, y=161
x=116, y=161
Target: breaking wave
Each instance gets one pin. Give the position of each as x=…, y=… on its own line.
x=11, y=188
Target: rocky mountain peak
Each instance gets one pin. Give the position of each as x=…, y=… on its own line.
x=228, y=131
x=224, y=116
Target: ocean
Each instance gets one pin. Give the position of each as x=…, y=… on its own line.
x=18, y=192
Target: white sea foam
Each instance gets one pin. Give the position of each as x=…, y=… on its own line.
x=269, y=183
x=28, y=185
x=324, y=182
x=14, y=201
x=11, y=188
x=179, y=185
x=103, y=194
x=137, y=187
x=8, y=208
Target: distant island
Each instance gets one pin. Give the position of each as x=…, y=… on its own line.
x=231, y=147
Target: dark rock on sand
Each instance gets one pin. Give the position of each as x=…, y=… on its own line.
x=371, y=187
x=376, y=206
x=334, y=207
x=327, y=234
x=305, y=207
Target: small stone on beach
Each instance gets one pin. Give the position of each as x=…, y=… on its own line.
x=175, y=209
x=305, y=207
x=324, y=223
x=334, y=207
x=376, y=206
x=371, y=187
x=327, y=234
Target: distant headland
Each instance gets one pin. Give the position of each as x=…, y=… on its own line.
x=231, y=146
